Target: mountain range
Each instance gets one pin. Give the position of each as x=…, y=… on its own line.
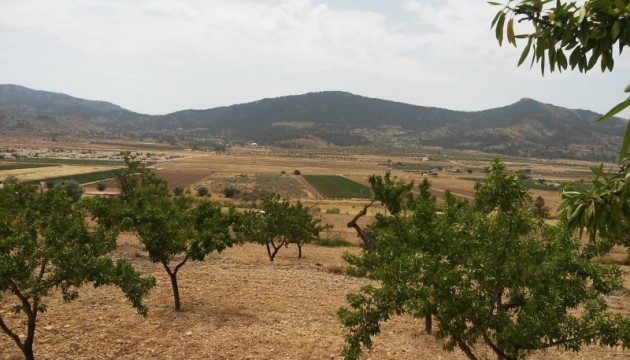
x=331, y=118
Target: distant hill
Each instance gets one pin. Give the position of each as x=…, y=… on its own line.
x=527, y=127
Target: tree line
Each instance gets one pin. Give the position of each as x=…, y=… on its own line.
x=50, y=240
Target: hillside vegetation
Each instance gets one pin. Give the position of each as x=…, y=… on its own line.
x=526, y=128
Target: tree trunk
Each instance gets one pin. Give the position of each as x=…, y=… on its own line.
x=299, y=250
x=428, y=324
x=273, y=254
x=173, y=276
x=27, y=346
x=27, y=350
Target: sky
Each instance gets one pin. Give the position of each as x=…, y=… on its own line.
x=161, y=56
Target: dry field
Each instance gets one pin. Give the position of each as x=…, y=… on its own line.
x=238, y=305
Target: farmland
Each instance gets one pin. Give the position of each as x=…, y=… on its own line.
x=337, y=187
x=238, y=305
x=82, y=178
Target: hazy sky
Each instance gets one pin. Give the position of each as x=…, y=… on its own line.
x=160, y=56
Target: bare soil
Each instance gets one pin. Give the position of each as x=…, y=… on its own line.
x=236, y=305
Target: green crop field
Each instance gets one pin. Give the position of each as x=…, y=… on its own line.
x=337, y=187
x=18, y=166
x=82, y=178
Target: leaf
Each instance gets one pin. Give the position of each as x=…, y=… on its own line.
x=526, y=52
x=510, y=32
x=499, y=29
x=626, y=140
x=494, y=3
x=617, y=109
x=580, y=14
x=614, y=31
x=627, y=89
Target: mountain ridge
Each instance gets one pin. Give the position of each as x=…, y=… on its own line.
x=526, y=127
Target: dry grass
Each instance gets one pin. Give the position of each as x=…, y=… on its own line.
x=238, y=305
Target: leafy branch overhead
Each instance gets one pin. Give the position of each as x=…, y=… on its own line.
x=569, y=34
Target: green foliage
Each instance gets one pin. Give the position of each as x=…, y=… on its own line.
x=81, y=178
x=174, y=230
x=278, y=224
x=178, y=191
x=230, y=191
x=71, y=188
x=590, y=31
x=46, y=244
x=11, y=179
x=334, y=186
x=101, y=186
x=539, y=208
x=136, y=176
x=334, y=210
x=334, y=241
x=602, y=210
x=17, y=166
x=202, y=191
x=490, y=272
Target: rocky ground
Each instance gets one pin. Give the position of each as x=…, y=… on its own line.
x=236, y=305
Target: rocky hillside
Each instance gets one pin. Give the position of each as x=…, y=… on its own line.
x=527, y=127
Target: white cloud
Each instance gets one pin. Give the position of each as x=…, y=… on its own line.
x=164, y=55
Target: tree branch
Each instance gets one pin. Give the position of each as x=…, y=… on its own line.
x=181, y=264
x=465, y=348
x=367, y=241
x=11, y=334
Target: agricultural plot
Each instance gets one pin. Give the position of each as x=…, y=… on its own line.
x=337, y=187
x=82, y=178
x=19, y=166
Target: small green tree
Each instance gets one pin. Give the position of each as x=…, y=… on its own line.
x=176, y=230
x=136, y=176
x=490, y=272
x=230, y=191
x=101, y=186
x=301, y=227
x=202, y=191
x=178, y=191
x=539, y=208
x=278, y=224
x=45, y=244
x=72, y=188
x=11, y=179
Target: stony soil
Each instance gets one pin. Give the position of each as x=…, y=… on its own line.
x=236, y=305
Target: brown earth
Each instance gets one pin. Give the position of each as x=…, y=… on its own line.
x=236, y=305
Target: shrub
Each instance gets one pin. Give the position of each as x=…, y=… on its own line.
x=335, y=241
x=178, y=191
x=334, y=210
x=202, y=191
x=297, y=172
x=72, y=188
x=230, y=191
x=100, y=186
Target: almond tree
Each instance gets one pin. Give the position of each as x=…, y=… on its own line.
x=175, y=230
x=492, y=274
x=278, y=224
x=580, y=35
x=46, y=245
